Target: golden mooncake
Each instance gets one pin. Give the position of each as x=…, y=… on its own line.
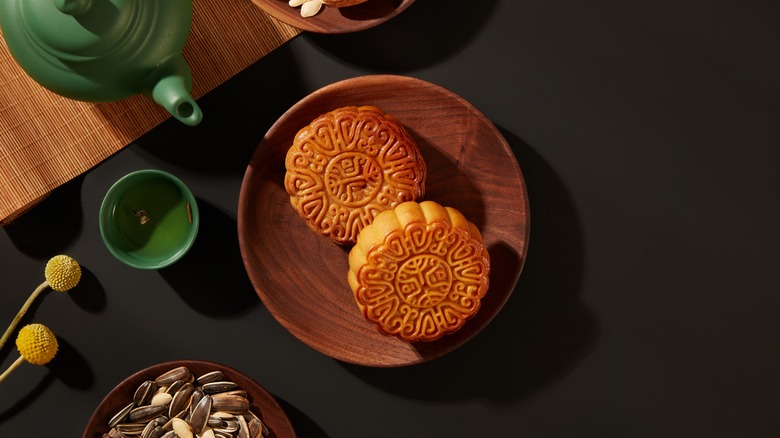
x=349, y=165
x=419, y=271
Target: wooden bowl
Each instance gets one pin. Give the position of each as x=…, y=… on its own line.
x=336, y=20
x=301, y=276
x=262, y=403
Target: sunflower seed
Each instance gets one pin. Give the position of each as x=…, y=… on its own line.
x=181, y=399
x=249, y=416
x=130, y=428
x=228, y=427
x=223, y=415
x=255, y=428
x=147, y=432
x=174, y=387
x=243, y=429
x=195, y=399
x=214, y=421
x=209, y=377
x=200, y=415
x=169, y=425
x=179, y=373
x=144, y=393
x=238, y=392
x=143, y=414
x=230, y=403
x=217, y=387
x=120, y=416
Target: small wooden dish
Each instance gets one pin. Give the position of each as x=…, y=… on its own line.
x=336, y=20
x=301, y=276
x=262, y=403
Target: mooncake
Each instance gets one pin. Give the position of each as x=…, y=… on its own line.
x=347, y=166
x=419, y=271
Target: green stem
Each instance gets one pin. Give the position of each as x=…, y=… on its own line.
x=22, y=311
x=11, y=369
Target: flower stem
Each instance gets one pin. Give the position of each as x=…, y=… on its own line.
x=10, y=369
x=22, y=311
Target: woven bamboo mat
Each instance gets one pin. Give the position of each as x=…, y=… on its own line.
x=46, y=140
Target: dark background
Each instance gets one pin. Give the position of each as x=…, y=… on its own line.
x=648, y=136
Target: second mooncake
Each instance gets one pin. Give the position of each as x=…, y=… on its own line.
x=349, y=165
x=419, y=271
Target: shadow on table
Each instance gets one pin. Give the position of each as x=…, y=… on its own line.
x=436, y=30
x=543, y=331
x=236, y=116
x=68, y=366
x=211, y=278
x=303, y=424
x=53, y=225
x=89, y=294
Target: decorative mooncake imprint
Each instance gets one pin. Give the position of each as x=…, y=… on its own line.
x=349, y=165
x=423, y=274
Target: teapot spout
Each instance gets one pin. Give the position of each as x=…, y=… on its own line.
x=171, y=93
x=169, y=86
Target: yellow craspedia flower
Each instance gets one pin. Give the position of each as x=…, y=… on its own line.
x=37, y=344
x=62, y=273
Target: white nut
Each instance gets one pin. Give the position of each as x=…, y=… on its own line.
x=161, y=398
x=207, y=433
x=310, y=8
x=181, y=428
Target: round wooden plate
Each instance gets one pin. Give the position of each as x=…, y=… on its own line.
x=336, y=20
x=301, y=277
x=262, y=403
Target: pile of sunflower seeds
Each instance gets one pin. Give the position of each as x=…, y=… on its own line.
x=177, y=404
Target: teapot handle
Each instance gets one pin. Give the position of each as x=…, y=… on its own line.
x=73, y=7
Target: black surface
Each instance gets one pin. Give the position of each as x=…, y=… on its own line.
x=648, y=135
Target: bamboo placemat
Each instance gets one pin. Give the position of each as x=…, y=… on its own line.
x=46, y=140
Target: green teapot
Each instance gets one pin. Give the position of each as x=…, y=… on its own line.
x=105, y=50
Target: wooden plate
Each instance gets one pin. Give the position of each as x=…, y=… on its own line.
x=262, y=403
x=301, y=276
x=336, y=20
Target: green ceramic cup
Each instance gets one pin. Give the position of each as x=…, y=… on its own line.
x=149, y=219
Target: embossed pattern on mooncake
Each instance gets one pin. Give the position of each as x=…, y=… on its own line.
x=420, y=271
x=349, y=165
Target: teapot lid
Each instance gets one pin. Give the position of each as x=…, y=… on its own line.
x=78, y=29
